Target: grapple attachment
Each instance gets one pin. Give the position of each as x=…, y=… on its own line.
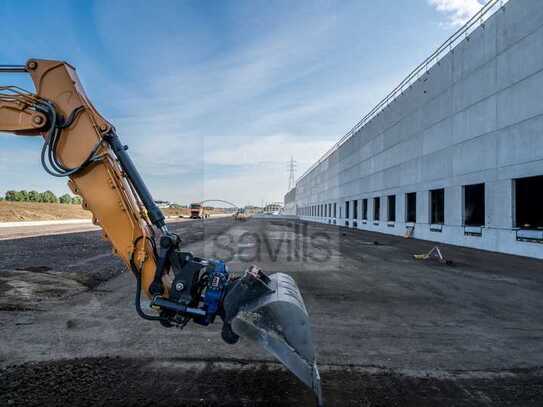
x=270, y=311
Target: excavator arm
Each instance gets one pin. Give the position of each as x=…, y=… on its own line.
x=83, y=146
x=103, y=186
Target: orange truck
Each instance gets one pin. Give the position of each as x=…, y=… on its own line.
x=197, y=211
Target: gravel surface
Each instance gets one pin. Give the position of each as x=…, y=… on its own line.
x=36, y=271
x=389, y=330
x=140, y=382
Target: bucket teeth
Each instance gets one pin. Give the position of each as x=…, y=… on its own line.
x=270, y=311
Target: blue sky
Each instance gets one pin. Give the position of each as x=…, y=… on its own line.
x=214, y=97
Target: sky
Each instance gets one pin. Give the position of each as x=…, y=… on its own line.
x=213, y=98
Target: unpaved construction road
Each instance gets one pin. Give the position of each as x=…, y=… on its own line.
x=389, y=330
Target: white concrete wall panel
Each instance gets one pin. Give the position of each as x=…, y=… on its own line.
x=476, y=116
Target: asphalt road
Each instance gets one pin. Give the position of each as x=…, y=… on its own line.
x=46, y=228
x=19, y=232
x=389, y=330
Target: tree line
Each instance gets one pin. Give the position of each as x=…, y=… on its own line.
x=35, y=196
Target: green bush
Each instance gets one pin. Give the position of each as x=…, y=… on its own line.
x=49, y=197
x=11, y=196
x=65, y=199
x=35, y=196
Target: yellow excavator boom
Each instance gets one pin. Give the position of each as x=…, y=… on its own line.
x=82, y=145
x=104, y=189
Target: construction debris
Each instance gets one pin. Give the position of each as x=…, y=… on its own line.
x=435, y=253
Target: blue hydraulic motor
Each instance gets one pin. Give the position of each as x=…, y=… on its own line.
x=217, y=274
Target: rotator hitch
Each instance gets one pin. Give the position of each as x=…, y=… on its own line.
x=268, y=310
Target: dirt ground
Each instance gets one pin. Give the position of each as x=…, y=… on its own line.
x=177, y=212
x=28, y=211
x=140, y=382
x=32, y=211
x=389, y=330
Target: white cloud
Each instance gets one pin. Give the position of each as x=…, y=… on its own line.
x=207, y=116
x=265, y=183
x=457, y=11
x=259, y=167
x=240, y=115
x=269, y=149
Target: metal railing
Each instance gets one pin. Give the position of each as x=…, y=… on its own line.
x=471, y=25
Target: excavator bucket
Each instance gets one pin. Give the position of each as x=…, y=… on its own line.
x=270, y=311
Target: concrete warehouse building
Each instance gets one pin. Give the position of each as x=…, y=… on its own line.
x=455, y=153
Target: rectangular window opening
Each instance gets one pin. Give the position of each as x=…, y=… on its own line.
x=437, y=206
x=391, y=210
x=411, y=207
x=376, y=208
x=529, y=203
x=355, y=209
x=364, y=209
x=347, y=209
x=474, y=205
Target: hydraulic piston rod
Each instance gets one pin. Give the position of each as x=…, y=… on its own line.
x=13, y=68
x=155, y=214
